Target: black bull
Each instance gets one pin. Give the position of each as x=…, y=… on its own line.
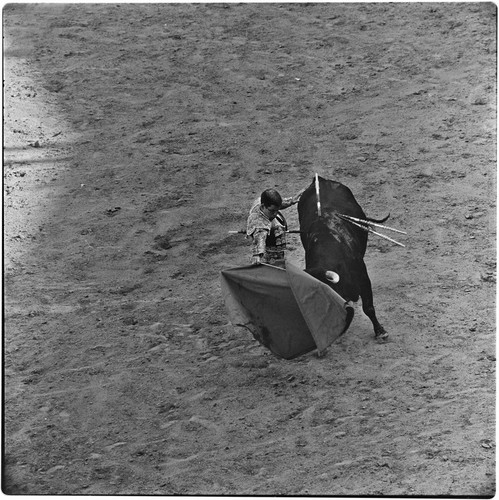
x=331, y=243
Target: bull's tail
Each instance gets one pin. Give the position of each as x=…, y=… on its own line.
x=378, y=221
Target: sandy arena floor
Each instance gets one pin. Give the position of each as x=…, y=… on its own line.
x=136, y=136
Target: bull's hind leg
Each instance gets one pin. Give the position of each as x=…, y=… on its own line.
x=379, y=332
x=368, y=306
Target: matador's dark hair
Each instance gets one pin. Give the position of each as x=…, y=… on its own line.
x=271, y=197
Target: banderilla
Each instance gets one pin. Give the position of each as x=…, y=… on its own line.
x=243, y=231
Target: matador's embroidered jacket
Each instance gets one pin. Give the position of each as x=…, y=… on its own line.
x=269, y=236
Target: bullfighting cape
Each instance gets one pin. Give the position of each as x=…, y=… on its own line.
x=287, y=310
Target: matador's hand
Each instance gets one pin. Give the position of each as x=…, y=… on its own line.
x=296, y=197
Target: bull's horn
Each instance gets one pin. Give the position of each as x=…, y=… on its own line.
x=332, y=276
x=371, y=223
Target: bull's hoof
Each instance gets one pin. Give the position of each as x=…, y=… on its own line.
x=382, y=336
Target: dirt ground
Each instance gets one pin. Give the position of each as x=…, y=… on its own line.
x=135, y=137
